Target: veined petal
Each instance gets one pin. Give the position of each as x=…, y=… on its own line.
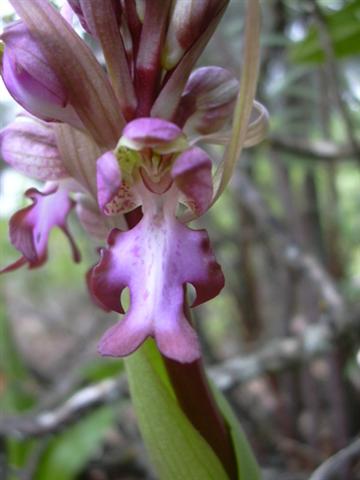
x=155, y=260
x=192, y=175
x=76, y=68
x=79, y=153
x=29, y=146
x=31, y=226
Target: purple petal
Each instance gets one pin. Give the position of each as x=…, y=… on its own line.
x=79, y=153
x=30, y=147
x=30, y=227
x=154, y=133
x=114, y=195
x=108, y=178
x=192, y=175
x=155, y=260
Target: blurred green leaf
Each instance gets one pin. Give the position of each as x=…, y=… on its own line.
x=13, y=396
x=177, y=450
x=100, y=369
x=344, y=30
x=68, y=452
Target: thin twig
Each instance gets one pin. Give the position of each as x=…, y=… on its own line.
x=322, y=150
x=288, y=252
x=332, y=465
x=51, y=421
x=277, y=356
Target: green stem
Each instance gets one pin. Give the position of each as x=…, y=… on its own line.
x=197, y=402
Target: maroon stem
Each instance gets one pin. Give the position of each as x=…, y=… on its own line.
x=196, y=400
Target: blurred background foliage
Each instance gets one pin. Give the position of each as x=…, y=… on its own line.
x=282, y=340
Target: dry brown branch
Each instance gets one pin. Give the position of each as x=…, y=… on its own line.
x=277, y=356
x=287, y=251
x=51, y=421
x=323, y=150
x=334, y=464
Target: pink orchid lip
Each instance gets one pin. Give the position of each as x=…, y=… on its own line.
x=155, y=259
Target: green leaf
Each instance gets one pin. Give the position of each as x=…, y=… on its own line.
x=344, y=30
x=102, y=368
x=247, y=466
x=68, y=452
x=13, y=373
x=177, y=450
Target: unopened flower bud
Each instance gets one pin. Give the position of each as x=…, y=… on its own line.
x=208, y=100
x=30, y=79
x=189, y=20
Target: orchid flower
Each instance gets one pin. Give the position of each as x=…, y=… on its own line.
x=125, y=138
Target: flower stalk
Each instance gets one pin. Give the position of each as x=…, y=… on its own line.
x=200, y=407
